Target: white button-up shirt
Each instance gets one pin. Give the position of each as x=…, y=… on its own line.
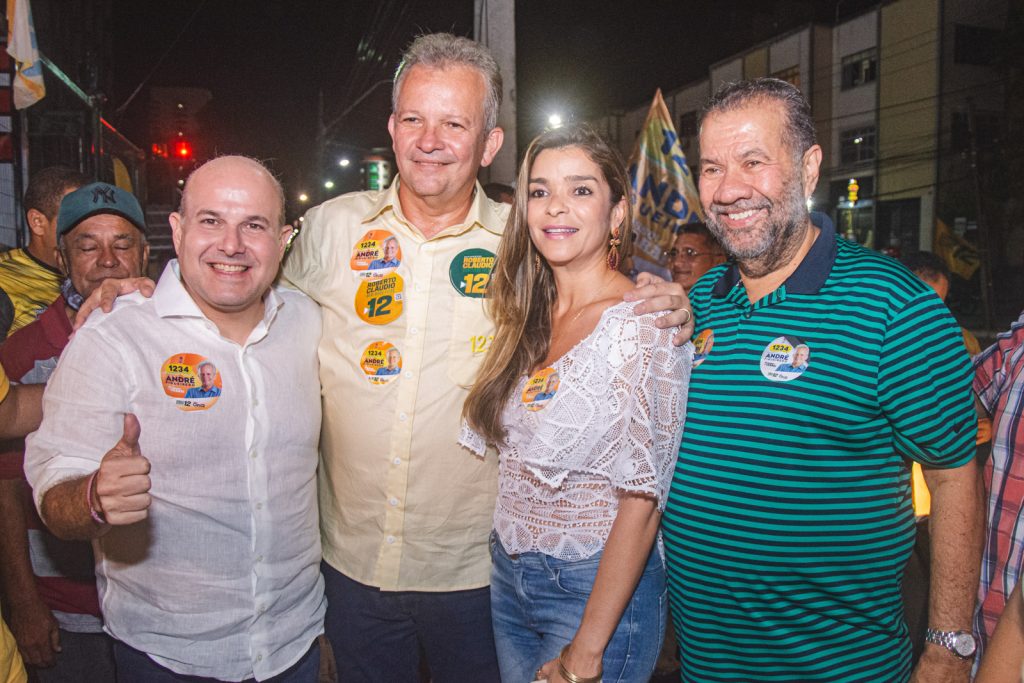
x=222, y=580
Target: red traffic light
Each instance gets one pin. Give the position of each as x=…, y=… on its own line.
x=182, y=149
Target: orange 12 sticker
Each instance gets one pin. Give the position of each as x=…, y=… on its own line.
x=193, y=381
x=382, y=362
x=702, y=346
x=379, y=302
x=375, y=255
x=540, y=389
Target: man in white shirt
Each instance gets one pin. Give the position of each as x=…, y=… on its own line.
x=203, y=509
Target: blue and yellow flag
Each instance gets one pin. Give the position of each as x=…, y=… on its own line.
x=21, y=45
x=664, y=196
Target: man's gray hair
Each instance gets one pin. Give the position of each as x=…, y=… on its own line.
x=440, y=50
x=205, y=363
x=798, y=134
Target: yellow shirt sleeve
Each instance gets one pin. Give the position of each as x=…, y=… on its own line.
x=5, y=385
x=11, y=668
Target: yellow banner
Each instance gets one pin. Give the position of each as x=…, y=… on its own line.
x=664, y=196
x=960, y=255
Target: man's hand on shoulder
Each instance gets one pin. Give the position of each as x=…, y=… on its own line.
x=657, y=295
x=103, y=297
x=120, y=490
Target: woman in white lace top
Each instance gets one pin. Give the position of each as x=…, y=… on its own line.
x=584, y=400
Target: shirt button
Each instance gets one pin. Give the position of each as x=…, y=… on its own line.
x=402, y=417
x=259, y=658
x=396, y=461
x=259, y=558
x=390, y=539
x=408, y=374
x=394, y=502
x=252, y=454
x=414, y=330
x=259, y=506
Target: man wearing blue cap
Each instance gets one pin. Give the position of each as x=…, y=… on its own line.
x=49, y=588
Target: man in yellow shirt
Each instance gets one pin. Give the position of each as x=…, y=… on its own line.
x=11, y=669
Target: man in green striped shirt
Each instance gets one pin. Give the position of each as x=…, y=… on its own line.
x=821, y=370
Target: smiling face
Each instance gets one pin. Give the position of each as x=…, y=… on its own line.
x=393, y=358
x=752, y=186
x=693, y=256
x=207, y=375
x=437, y=132
x=569, y=209
x=229, y=237
x=100, y=247
x=390, y=250
x=800, y=356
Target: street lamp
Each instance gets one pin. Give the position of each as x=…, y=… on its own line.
x=329, y=185
x=344, y=162
x=555, y=121
x=303, y=197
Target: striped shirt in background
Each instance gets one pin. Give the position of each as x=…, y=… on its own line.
x=789, y=521
x=999, y=384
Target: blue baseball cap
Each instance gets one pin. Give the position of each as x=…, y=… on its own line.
x=97, y=198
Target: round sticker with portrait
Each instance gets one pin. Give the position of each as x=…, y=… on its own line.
x=377, y=254
x=382, y=363
x=192, y=380
x=470, y=272
x=702, y=346
x=379, y=302
x=785, y=359
x=540, y=389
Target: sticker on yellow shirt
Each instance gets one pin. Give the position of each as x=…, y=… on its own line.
x=540, y=389
x=377, y=254
x=702, y=346
x=382, y=362
x=470, y=272
x=191, y=380
x=785, y=359
x=379, y=302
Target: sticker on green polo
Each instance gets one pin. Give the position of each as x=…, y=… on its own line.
x=702, y=346
x=470, y=272
x=785, y=359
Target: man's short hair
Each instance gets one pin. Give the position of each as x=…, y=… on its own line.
x=278, y=188
x=47, y=188
x=798, y=133
x=926, y=265
x=701, y=229
x=440, y=50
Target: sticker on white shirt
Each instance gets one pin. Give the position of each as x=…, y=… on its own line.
x=377, y=254
x=193, y=381
x=540, y=389
x=382, y=362
x=702, y=346
x=379, y=302
x=470, y=272
x=785, y=359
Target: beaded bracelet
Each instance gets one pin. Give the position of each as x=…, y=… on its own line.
x=569, y=676
x=97, y=515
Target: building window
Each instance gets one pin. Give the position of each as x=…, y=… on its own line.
x=860, y=69
x=790, y=75
x=857, y=145
x=975, y=45
x=688, y=124
x=987, y=129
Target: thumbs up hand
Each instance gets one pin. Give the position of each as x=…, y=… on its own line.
x=121, y=487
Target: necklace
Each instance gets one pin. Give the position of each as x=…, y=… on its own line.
x=572, y=321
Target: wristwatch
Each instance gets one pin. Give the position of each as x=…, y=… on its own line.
x=960, y=643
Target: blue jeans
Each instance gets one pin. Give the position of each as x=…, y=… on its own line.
x=134, y=666
x=83, y=658
x=537, y=605
x=377, y=636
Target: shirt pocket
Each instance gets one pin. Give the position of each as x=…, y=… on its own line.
x=471, y=337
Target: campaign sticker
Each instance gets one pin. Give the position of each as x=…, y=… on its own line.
x=470, y=272
x=540, y=389
x=191, y=380
x=785, y=359
x=702, y=346
x=379, y=302
x=377, y=254
x=382, y=362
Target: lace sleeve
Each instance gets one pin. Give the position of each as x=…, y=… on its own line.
x=471, y=440
x=621, y=416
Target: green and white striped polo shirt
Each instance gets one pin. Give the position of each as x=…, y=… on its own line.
x=789, y=520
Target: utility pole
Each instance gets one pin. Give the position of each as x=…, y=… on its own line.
x=495, y=28
x=984, y=240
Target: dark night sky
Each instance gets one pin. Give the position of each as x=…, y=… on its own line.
x=266, y=60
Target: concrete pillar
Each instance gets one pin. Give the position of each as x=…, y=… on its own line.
x=495, y=27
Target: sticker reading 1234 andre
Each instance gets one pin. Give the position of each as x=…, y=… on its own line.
x=192, y=380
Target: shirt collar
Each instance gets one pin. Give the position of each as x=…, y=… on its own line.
x=171, y=299
x=809, y=276
x=482, y=212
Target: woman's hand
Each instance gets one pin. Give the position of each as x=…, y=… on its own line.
x=583, y=666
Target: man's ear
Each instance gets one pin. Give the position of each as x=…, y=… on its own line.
x=811, y=167
x=37, y=222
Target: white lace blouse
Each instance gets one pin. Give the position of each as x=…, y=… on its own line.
x=612, y=425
